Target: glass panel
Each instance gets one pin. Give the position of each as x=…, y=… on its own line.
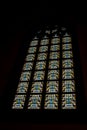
x=47, y=31
x=25, y=76
x=39, y=75
x=18, y=102
x=37, y=87
x=42, y=56
x=67, y=63
x=53, y=75
x=30, y=57
x=63, y=28
x=55, y=35
x=66, y=34
x=51, y=101
x=54, y=55
x=22, y=87
x=67, y=46
x=34, y=43
x=55, y=47
x=40, y=65
x=52, y=86
x=43, y=48
x=68, y=86
x=54, y=64
x=54, y=31
x=55, y=40
x=45, y=36
x=28, y=66
x=44, y=42
x=32, y=49
x=35, y=37
x=67, y=54
x=66, y=39
x=67, y=73
x=34, y=102
x=68, y=101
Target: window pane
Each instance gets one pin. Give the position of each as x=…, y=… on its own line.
x=44, y=42
x=28, y=66
x=42, y=56
x=32, y=49
x=43, y=48
x=30, y=57
x=55, y=40
x=67, y=54
x=54, y=64
x=67, y=63
x=25, y=76
x=54, y=55
x=53, y=74
x=67, y=46
x=51, y=101
x=40, y=65
x=68, y=101
x=66, y=39
x=55, y=47
x=37, y=87
x=34, y=43
x=67, y=73
x=22, y=87
x=39, y=75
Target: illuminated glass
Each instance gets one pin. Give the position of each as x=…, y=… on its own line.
x=34, y=43
x=67, y=46
x=52, y=86
x=39, y=75
x=66, y=35
x=67, y=73
x=42, y=56
x=25, y=76
x=47, y=31
x=44, y=42
x=68, y=86
x=66, y=39
x=18, y=102
x=54, y=55
x=35, y=38
x=55, y=35
x=67, y=63
x=54, y=31
x=54, y=64
x=28, y=66
x=37, y=87
x=55, y=47
x=30, y=57
x=53, y=74
x=22, y=87
x=32, y=49
x=68, y=101
x=67, y=54
x=43, y=48
x=34, y=102
x=40, y=65
x=55, y=40
x=51, y=101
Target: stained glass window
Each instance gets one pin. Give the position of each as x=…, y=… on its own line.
x=48, y=78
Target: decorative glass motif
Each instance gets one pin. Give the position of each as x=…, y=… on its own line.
x=28, y=66
x=34, y=102
x=55, y=47
x=42, y=56
x=67, y=63
x=54, y=55
x=52, y=87
x=32, y=49
x=22, y=87
x=53, y=74
x=67, y=73
x=54, y=64
x=51, y=101
x=66, y=39
x=37, y=87
x=55, y=40
x=68, y=101
x=30, y=57
x=25, y=76
x=34, y=43
x=43, y=48
x=19, y=102
x=67, y=46
x=39, y=75
x=67, y=54
x=44, y=42
x=40, y=65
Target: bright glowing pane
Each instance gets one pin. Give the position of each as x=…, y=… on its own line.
x=68, y=101
x=53, y=74
x=37, y=87
x=54, y=55
x=67, y=63
x=43, y=48
x=54, y=64
x=42, y=56
x=67, y=54
x=55, y=40
x=39, y=75
x=68, y=86
x=55, y=47
x=28, y=66
x=18, y=102
x=25, y=76
x=30, y=57
x=52, y=86
x=67, y=46
x=44, y=42
x=34, y=102
x=34, y=43
x=66, y=39
x=40, y=65
x=51, y=101
x=32, y=49
x=22, y=87
x=67, y=73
